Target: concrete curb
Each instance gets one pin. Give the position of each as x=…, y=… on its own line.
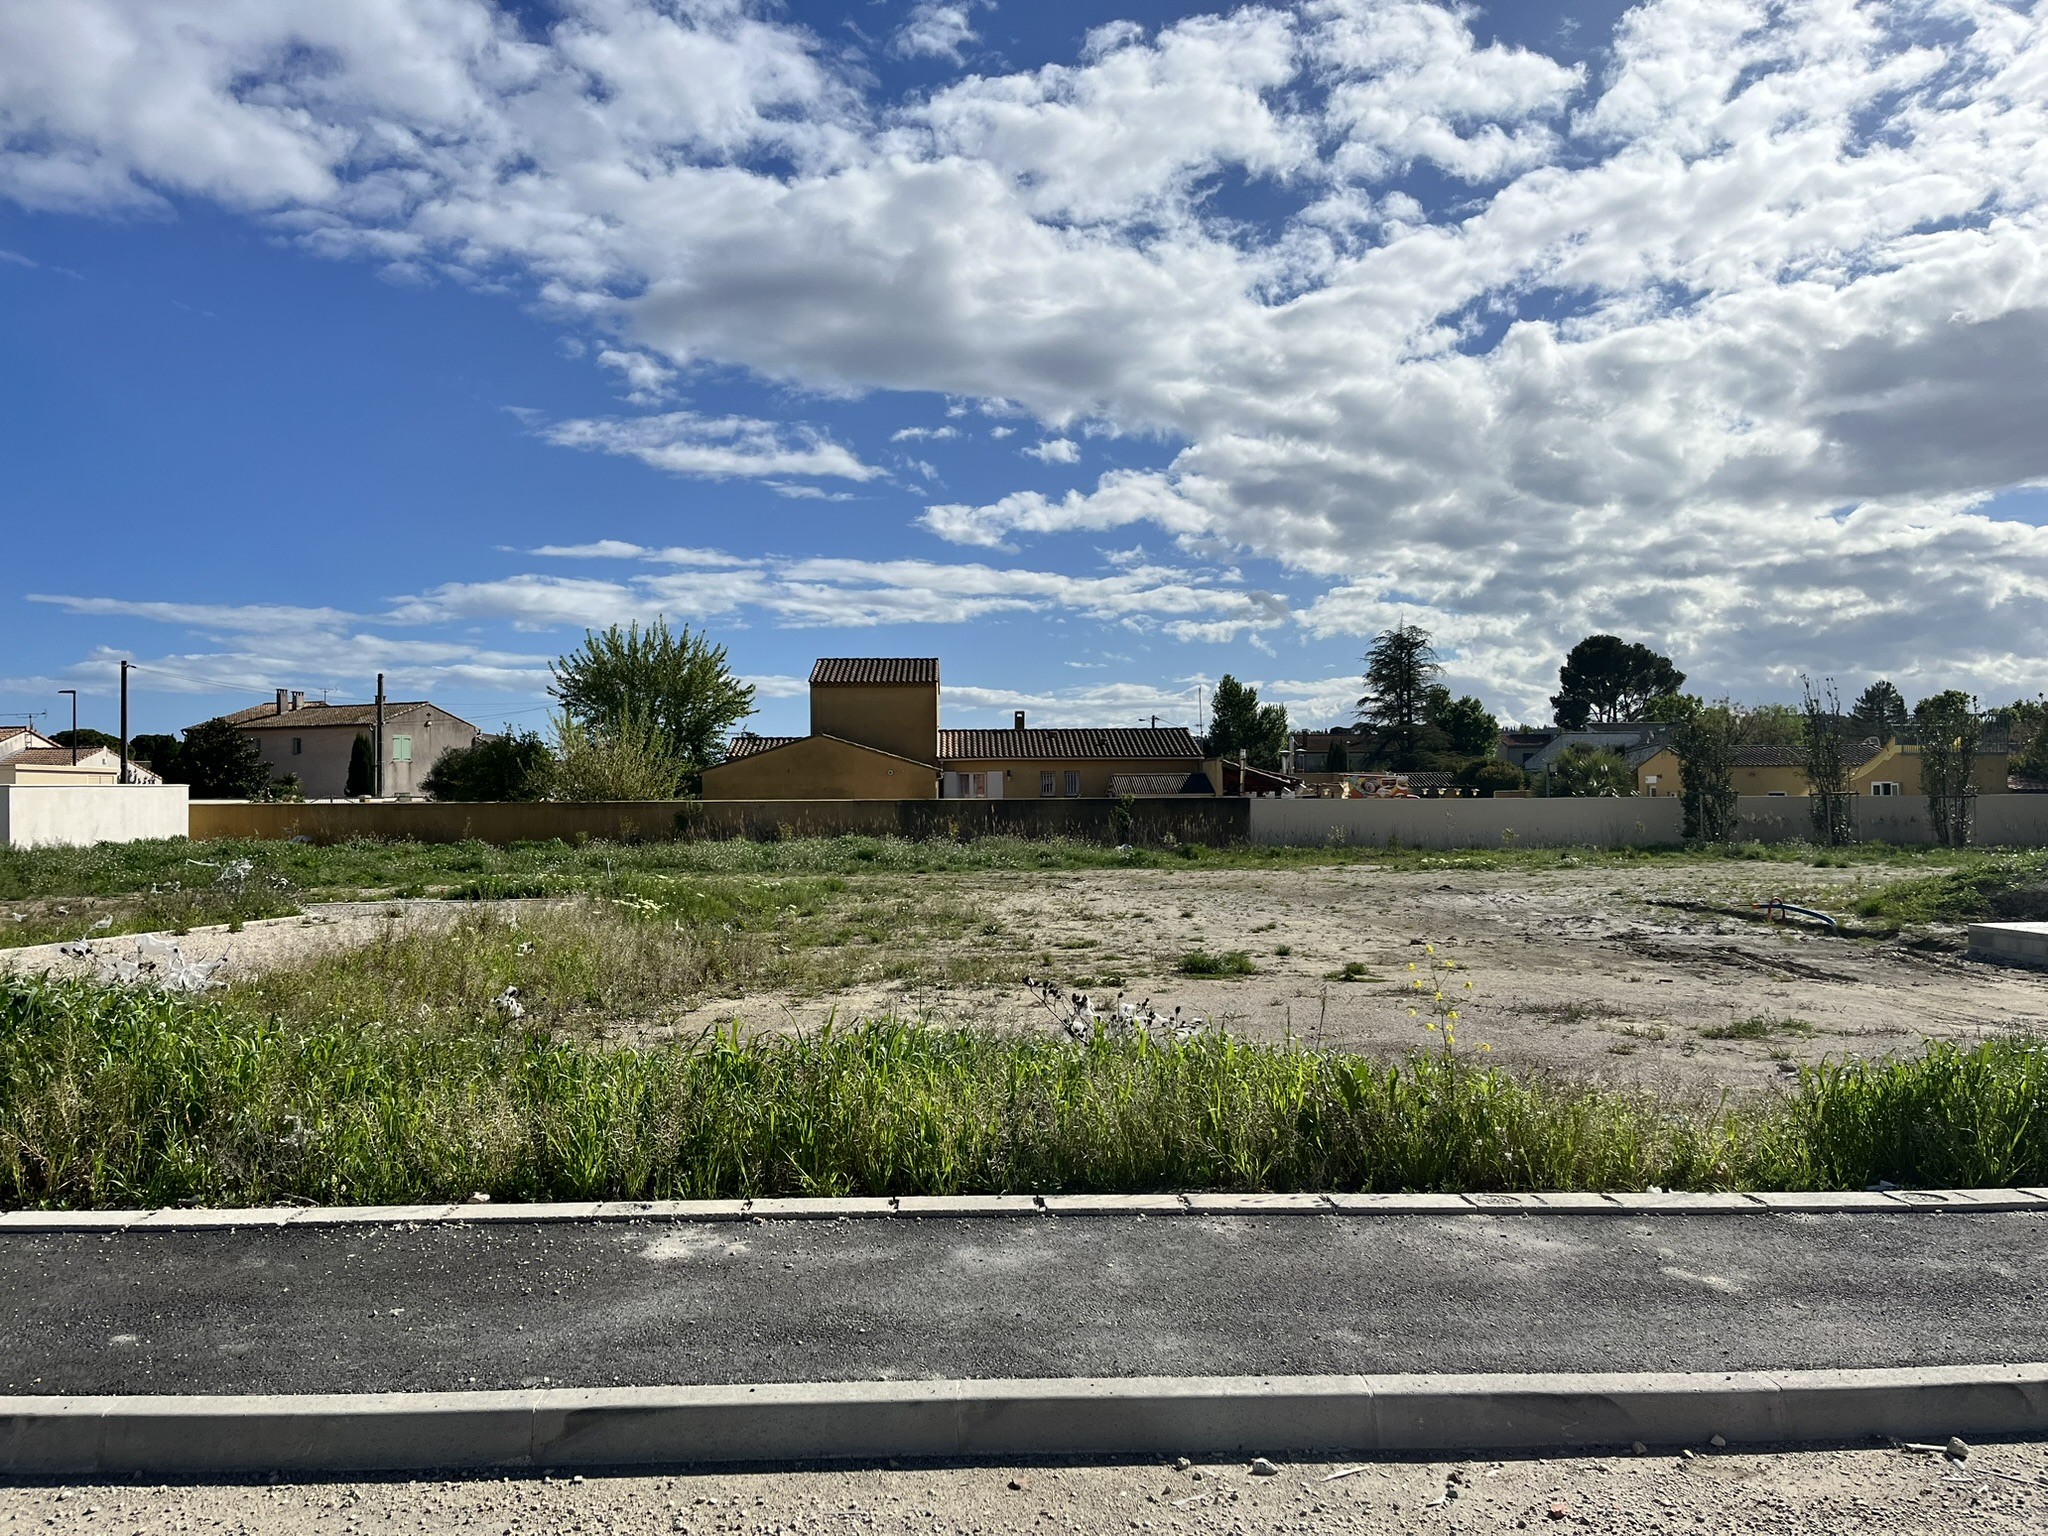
x=1150, y=1416
x=862, y=1207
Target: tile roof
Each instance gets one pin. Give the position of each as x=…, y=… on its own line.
x=1854, y=753
x=749, y=744
x=834, y=670
x=308, y=717
x=1165, y=743
x=88, y=757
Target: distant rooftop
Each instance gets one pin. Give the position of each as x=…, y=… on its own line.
x=836, y=670
x=1171, y=743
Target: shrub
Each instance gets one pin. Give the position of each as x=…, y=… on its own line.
x=515, y=766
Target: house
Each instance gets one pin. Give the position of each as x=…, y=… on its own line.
x=1875, y=768
x=1309, y=751
x=315, y=740
x=875, y=736
x=29, y=757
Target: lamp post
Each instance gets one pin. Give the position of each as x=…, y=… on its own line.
x=74, y=723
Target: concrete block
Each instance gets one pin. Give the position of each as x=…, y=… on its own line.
x=2010, y=943
x=806, y=1208
x=1259, y=1205
x=550, y=1210
x=1575, y=1200
x=371, y=1215
x=69, y=1221
x=969, y=1205
x=50, y=1436
x=201, y=1220
x=1926, y=1403
x=1114, y=1205
x=1401, y=1205
x=317, y=1433
x=1540, y=1412
x=1823, y=1202
x=1687, y=1201
x=1995, y=1199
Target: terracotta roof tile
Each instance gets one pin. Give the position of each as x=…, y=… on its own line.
x=1080, y=743
x=832, y=671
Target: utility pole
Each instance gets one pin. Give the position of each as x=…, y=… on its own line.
x=74, y=723
x=380, y=736
x=124, y=719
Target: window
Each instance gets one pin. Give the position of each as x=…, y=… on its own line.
x=1777, y=794
x=298, y=745
x=1073, y=783
x=401, y=749
x=1884, y=787
x=1048, y=784
x=977, y=786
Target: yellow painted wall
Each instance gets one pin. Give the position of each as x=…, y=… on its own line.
x=1657, y=777
x=1895, y=764
x=1021, y=775
x=821, y=768
x=899, y=718
x=56, y=773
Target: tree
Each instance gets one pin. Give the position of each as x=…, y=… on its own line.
x=631, y=760
x=1767, y=725
x=1827, y=768
x=1489, y=775
x=1338, y=758
x=1586, y=771
x=86, y=738
x=1880, y=711
x=1399, y=671
x=2027, y=725
x=676, y=685
x=1704, y=744
x=160, y=752
x=1606, y=680
x=1948, y=728
x=1240, y=726
x=1467, y=728
x=362, y=769
x=515, y=766
x=220, y=762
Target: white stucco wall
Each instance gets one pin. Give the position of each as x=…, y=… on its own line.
x=1556, y=823
x=42, y=815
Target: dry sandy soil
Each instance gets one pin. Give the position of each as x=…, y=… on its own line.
x=1588, y=971
x=1999, y=1488
x=1577, y=970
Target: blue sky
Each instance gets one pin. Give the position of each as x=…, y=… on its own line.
x=1097, y=351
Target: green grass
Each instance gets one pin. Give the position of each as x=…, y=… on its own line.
x=123, y=1098
x=2010, y=886
x=1757, y=1028
x=1200, y=962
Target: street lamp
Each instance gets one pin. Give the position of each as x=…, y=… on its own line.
x=74, y=723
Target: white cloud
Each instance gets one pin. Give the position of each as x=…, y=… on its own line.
x=1054, y=450
x=647, y=379
x=923, y=434
x=714, y=447
x=935, y=30
x=600, y=549
x=1727, y=345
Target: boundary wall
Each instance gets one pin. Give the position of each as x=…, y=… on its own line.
x=1559, y=823
x=2002, y=821
x=1198, y=819
x=79, y=815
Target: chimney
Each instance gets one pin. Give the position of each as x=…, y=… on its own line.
x=280, y=701
x=298, y=699
x=1020, y=721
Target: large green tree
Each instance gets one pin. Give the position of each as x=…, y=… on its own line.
x=1400, y=670
x=86, y=738
x=220, y=762
x=622, y=683
x=515, y=766
x=1584, y=771
x=1240, y=726
x=1606, y=680
x=1467, y=727
x=362, y=768
x=1703, y=741
x=159, y=752
x=1880, y=711
x=1948, y=728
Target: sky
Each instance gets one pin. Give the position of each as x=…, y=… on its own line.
x=1096, y=349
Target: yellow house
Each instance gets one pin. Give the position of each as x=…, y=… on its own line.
x=1891, y=769
x=875, y=736
x=29, y=757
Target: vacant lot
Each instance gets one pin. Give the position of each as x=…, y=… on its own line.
x=1615, y=967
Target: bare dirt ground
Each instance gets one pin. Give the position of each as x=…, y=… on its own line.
x=1573, y=970
x=1999, y=1488
x=1605, y=973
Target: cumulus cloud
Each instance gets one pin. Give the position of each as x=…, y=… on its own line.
x=1728, y=344
x=1054, y=450
x=713, y=447
x=934, y=30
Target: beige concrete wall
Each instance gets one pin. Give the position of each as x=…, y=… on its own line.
x=899, y=718
x=58, y=773
x=2002, y=821
x=1495, y=823
x=820, y=768
x=79, y=815
x=1021, y=775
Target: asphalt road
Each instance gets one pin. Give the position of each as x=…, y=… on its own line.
x=599, y=1304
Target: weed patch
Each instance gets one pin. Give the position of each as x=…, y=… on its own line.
x=1200, y=962
x=1757, y=1028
